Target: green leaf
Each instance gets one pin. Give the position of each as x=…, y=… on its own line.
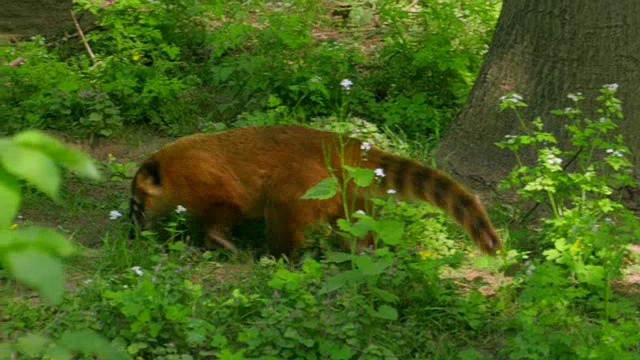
x=591, y=274
x=387, y=312
x=343, y=352
x=390, y=231
x=44, y=239
x=384, y=295
x=57, y=352
x=339, y=257
x=33, y=166
x=361, y=176
x=32, y=344
x=92, y=344
x=6, y=349
x=72, y=159
x=347, y=277
x=371, y=267
x=9, y=198
x=40, y=271
x=325, y=189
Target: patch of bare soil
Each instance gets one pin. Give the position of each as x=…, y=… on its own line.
x=83, y=211
x=31, y=17
x=469, y=277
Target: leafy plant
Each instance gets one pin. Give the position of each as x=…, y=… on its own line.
x=33, y=255
x=586, y=238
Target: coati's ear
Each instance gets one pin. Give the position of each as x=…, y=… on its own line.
x=148, y=179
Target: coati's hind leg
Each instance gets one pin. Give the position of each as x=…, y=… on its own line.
x=285, y=230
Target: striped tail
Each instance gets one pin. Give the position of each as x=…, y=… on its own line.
x=412, y=180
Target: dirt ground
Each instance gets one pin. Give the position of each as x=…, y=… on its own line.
x=31, y=17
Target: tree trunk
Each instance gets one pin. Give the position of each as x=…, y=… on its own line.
x=544, y=50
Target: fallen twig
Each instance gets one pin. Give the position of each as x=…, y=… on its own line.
x=84, y=40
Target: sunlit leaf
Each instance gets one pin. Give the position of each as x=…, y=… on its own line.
x=9, y=198
x=387, y=312
x=40, y=271
x=44, y=239
x=325, y=189
x=390, y=231
x=73, y=159
x=361, y=176
x=33, y=166
x=92, y=344
x=32, y=344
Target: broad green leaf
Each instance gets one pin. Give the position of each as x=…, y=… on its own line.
x=58, y=352
x=384, y=295
x=40, y=271
x=390, y=231
x=325, y=189
x=336, y=282
x=90, y=343
x=591, y=274
x=373, y=266
x=359, y=228
x=6, y=349
x=44, y=239
x=339, y=257
x=32, y=344
x=74, y=160
x=343, y=352
x=361, y=176
x=387, y=312
x=33, y=166
x=362, y=227
x=9, y=198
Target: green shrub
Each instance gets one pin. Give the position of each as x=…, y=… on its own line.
x=567, y=301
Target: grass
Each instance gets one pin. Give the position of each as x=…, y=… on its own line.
x=459, y=311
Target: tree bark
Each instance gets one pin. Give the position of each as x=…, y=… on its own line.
x=544, y=50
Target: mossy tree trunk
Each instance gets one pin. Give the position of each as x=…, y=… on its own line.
x=543, y=50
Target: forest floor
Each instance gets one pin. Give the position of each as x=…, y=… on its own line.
x=83, y=212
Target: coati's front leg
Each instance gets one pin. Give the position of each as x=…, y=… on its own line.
x=219, y=218
x=216, y=234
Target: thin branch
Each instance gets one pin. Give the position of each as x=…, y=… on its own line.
x=84, y=40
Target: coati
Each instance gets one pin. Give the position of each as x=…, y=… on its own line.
x=261, y=172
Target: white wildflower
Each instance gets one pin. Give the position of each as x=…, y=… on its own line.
x=114, y=214
x=379, y=172
x=360, y=212
x=346, y=83
x=573, y=97
x=365, y=146
x=513, y=98
x=137, y=270
x=391, y=191
x=612, y=87
x=614, y=152
x=553, y=160
x=180, y=209
x=530, y=270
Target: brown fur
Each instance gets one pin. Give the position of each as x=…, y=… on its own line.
x=261, y=172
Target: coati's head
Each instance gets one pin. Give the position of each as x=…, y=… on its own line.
x=146, y=196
